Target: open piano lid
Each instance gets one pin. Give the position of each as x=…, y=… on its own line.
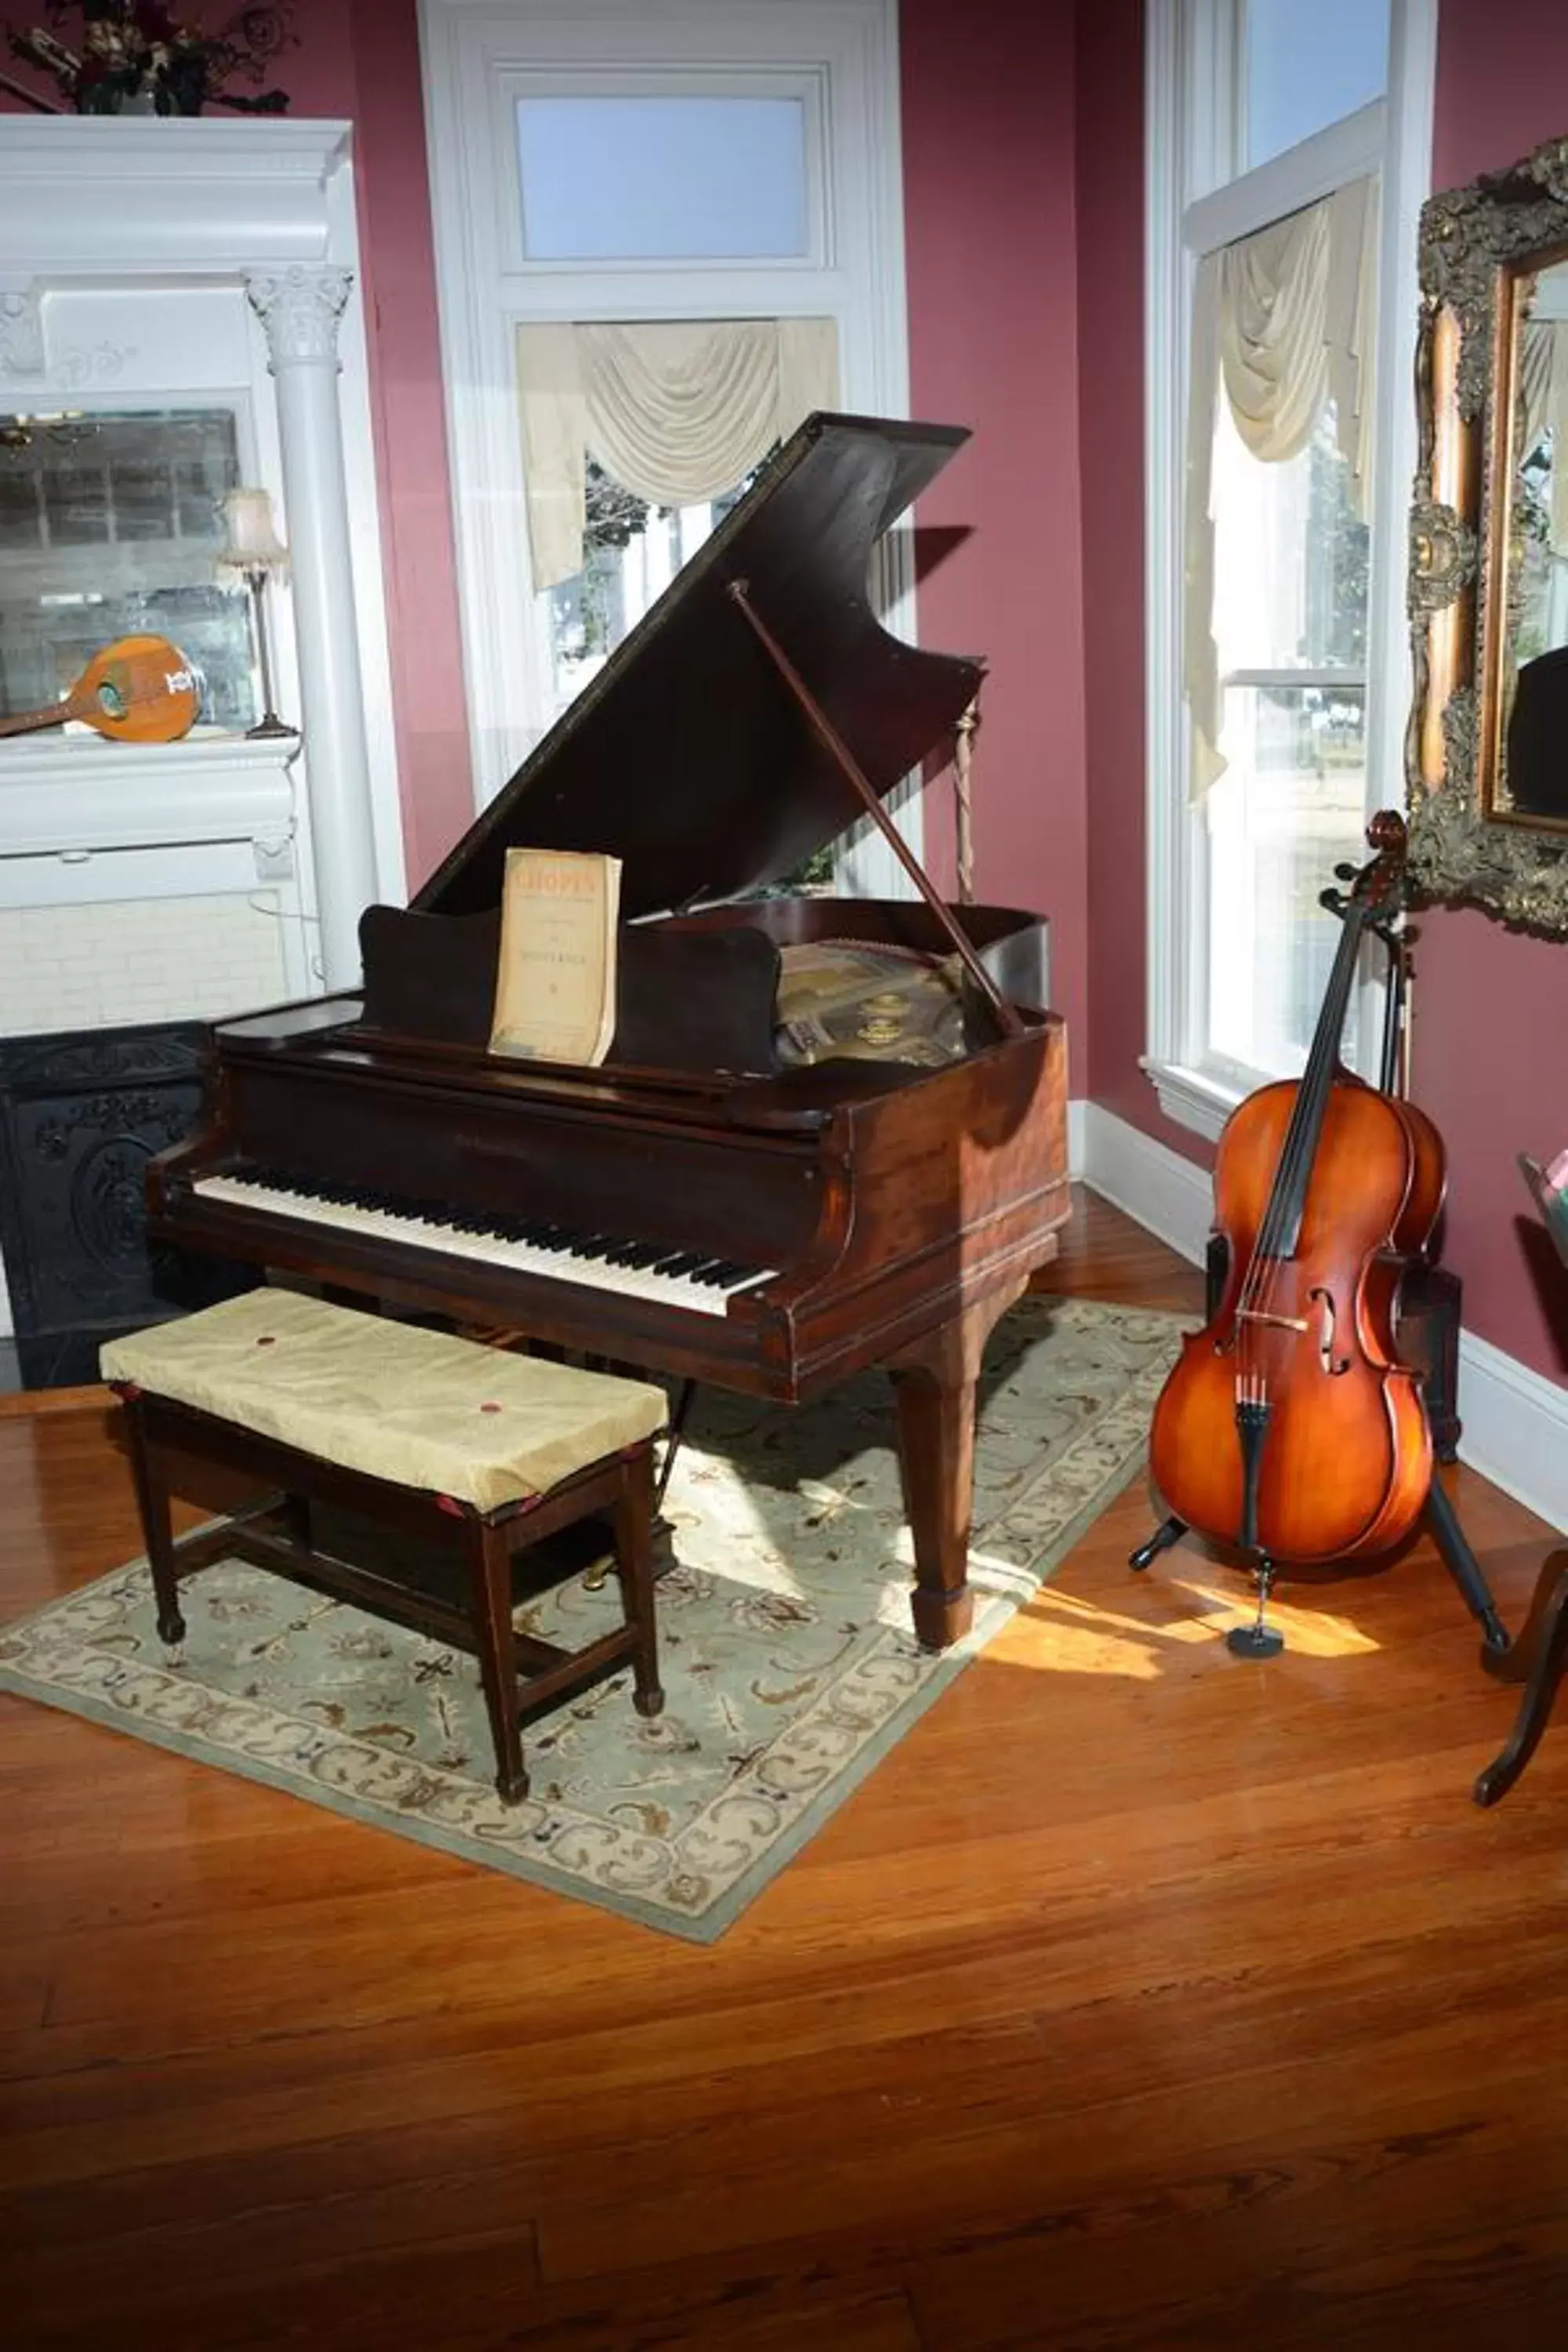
x=686, y=757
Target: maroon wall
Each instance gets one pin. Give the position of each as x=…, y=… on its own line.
x=989, y=206
x=1491, y=1007
x=359, y=60
x=1110, y=346
x=1110, y=163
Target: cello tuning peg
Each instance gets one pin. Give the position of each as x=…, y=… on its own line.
x=1346, y=873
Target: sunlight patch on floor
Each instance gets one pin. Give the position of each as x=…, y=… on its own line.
x=1312, y=1632
x=1070, y=1635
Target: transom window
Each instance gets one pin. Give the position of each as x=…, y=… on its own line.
x=651, y=178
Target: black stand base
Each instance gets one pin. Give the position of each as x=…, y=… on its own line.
x=1254, y=1642
x=1258, y=1641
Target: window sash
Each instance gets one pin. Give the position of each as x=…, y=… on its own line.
x=1195, y=202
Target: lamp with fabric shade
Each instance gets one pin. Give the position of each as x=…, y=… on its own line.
x=253, y=550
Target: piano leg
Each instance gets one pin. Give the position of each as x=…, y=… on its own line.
x=934, y=1381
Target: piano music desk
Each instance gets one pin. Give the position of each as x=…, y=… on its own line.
x=413, y=1430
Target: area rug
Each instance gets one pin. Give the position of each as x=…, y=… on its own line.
x=787, y=1658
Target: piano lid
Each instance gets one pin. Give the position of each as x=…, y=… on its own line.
x=686, y=757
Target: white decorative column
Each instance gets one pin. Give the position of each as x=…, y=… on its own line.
x=299, y=308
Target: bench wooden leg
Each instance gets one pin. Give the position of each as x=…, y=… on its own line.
x=634, y=1567
x=157, y=1526
x=489, y=1575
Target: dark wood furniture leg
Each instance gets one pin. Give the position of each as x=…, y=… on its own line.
x=634, y=1567
x=488, y=1553
x=934, y=1381
x=157, y=1526
x=1539, y=1659
x=521, y=1675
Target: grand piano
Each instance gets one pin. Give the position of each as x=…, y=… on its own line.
x=694, y=1204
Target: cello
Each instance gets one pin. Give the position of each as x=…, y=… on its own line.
x=1288, y=1428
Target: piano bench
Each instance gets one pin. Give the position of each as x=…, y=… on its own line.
x=417, y=1431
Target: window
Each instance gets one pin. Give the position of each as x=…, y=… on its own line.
x=667, y=179
x=632, y=549
x=1287, y=167
x=1309, y=67
x=606, y=182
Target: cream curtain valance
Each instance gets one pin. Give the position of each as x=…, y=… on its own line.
x=676, y=410
x=1284, y=320
x=1543, y=396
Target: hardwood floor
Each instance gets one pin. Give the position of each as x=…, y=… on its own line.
x=1143, y=1998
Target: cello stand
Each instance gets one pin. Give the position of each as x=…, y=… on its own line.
x=1443, y=1527
x=1170, y=1532
x=1257, y=1641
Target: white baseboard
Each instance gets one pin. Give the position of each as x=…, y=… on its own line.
x=1515, y=1428
x=1078, y=1113
x=1170, y=1196
x=1515, y=1420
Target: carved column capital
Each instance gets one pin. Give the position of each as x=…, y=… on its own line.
x=299, y=308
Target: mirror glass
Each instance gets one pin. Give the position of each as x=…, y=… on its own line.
x=1532, y=676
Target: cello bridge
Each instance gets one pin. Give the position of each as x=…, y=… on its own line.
x=1275, y=1322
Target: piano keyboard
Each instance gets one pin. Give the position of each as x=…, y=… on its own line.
x=651, y=1270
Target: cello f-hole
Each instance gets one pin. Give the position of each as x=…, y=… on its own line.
x=1324, y=1302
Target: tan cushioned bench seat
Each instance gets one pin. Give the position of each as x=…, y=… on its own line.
x=420, y=1408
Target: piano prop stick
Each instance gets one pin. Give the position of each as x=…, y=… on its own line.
x=137, y=690
x=1007, y=1021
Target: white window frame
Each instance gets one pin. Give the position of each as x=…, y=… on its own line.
x=841, y=58
x=1194, y=79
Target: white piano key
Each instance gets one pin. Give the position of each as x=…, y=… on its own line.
x=491, y=1249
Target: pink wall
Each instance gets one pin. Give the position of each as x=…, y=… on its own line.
x=989, y=200
x=1111, y=344
x=359, y=60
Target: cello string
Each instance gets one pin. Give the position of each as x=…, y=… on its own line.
x=1293, y=1170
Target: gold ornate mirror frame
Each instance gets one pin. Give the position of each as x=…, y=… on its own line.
x=1483, y=249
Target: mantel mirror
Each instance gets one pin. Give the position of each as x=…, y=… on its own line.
x=1488, y=748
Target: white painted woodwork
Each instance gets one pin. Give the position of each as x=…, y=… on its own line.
x=840, y=58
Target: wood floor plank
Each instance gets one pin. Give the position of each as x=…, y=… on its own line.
x=1143, y=1998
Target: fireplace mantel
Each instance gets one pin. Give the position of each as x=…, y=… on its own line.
x=68, y=797
x=149, y=259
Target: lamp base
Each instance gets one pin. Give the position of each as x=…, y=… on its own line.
x=268, y=725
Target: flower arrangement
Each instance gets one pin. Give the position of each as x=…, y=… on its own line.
x=132, y=54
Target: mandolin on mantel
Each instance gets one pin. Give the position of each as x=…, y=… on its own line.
x=137, y=690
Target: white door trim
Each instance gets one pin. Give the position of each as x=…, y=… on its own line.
x=473, y=51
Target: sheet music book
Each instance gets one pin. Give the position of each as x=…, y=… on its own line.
x=556, y=981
